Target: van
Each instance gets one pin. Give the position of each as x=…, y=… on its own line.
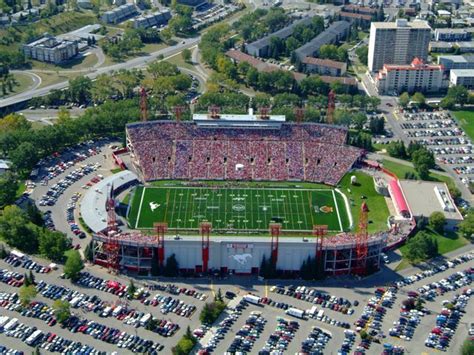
x=117, y=311
x=145, y=319
x=31, y=340
x=106, y=311
x=320, y=315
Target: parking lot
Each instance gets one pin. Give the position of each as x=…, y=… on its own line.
x=441, y=134
x=106, y=319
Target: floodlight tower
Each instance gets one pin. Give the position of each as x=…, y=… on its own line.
x=319, y=231
x=178, y=111
x=275, y=230
x=299, y=114
x=205, y=232
x=160, y=230
x=331, y=107
x=362, y=239
x=143, y=104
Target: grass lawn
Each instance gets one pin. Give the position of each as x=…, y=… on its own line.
x=116, y=170
x=400, y=170
x=126, y=199
x=178, y=60
x=54, y=78
x=21, y=189
x=378, y=210
x=24, y=83
x=239, y=208
x=81, y=62
x=446, y=243
x=153, y=47
x=466, y=120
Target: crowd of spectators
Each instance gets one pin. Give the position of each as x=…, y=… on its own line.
x=299, y=152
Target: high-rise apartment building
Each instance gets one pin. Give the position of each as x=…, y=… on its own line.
x=397, y=42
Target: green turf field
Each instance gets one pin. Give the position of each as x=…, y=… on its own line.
x=238, y=209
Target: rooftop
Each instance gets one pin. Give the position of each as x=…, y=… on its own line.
x=413, y=189
x=400, y=23
x=324, y=62
x=457, y=58
x=463, y=72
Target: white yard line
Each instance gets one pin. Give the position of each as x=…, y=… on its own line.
x=337, y=209
x=140, y=208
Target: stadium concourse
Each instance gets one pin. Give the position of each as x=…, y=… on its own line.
x=237, y=149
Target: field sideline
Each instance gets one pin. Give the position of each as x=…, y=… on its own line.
x=238, y=209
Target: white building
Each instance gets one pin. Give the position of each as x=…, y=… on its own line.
x=464, y=77
x=51, y=49
x=450, y=62
x=416, y=77
x=397, y=42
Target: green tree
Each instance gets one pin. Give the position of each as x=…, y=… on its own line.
x=53, y=245
x=88, y=252
x=404, y=99
x=466, y=227
x=423, y=161
x=131, y=289
x=459, y=94
x=8, y=188
x=421, y=247
x=62, y=310
x=24, y=157
x=397, y=149
x=80, y=89
x=419, y=98
x=186, y=55
x=27, y=294
x=171, y=267
x=437, y=221
x=73, y=265
x=17, y=231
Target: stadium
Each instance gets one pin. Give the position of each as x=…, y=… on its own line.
x=222, y=192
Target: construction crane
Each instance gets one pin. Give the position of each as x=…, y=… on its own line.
x=362, y=240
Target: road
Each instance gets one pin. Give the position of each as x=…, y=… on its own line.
x=132, y=63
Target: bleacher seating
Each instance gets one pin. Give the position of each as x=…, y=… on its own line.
x=303, y=152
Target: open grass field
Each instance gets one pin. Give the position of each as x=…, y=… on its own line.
x=401, y=169
x=466, y=120
x=238, y=209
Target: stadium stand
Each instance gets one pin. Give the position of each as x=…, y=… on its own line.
x=299, y=152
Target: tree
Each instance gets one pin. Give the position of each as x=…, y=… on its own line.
x=61, y=310
x=171, y=267
x=219, y=295
x=31, y=278
x=186, y=55
x=423, y=161
x=421, y=247
x=53, y=245
x=466, y=227
x=397, y=149
x=459, y=94
x=73, y=265
x=131, y=289
x=24, y=157
x=80, y=89
x=437, y=221
x=88, y=252
x=404, y=99
x=419, y=98
x=8, y=189
x=27, y=294
x=17, y=231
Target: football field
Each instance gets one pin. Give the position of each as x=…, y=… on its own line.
x=239, y=209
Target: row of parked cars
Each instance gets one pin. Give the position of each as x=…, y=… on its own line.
x=281, y=337
x=248, y=334
x=7, y=351
x=453, y=282
x=54, y=165
x=169, y=304
x=220, y=330
x=55, y=191
x=48, y=220
x=447, y=321
x=49, y=341
x=176, y=290
x=433, y=270
x=18, y=259
x=12, y=278
x=316, y=341
x=71, y=220
x=325, y=300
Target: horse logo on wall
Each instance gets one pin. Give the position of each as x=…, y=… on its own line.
x=241, y=258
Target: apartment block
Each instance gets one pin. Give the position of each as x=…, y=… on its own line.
x=50, y=49
x=464, y=77
x=397, y=43
x=416, y=77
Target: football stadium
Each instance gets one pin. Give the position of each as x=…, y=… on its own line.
x=225, y=191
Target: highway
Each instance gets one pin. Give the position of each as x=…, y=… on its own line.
x=132, y=63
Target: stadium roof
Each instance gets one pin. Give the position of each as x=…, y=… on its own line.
x=93, y=205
